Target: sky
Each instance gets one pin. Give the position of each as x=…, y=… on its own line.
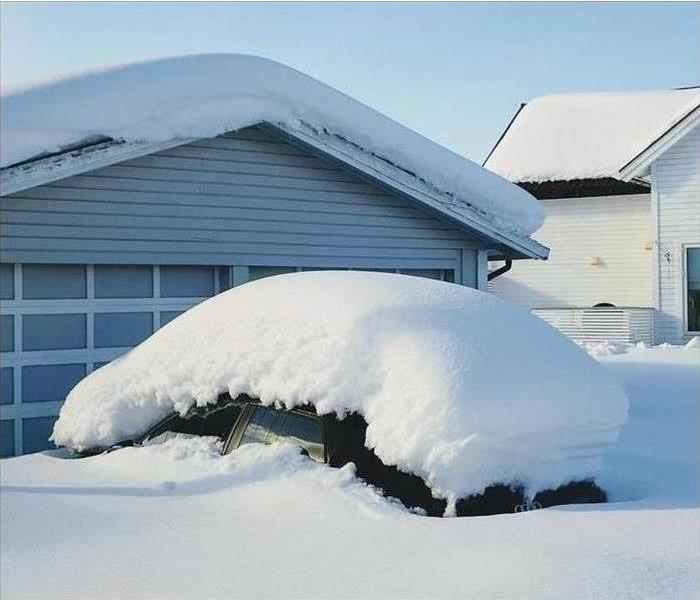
x=455, y=72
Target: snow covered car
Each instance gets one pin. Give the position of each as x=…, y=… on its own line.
x=444, y=397
x=336, y=442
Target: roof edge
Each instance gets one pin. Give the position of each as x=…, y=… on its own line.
x=417, y=192
x=46, y=169
x=74, y=162
x=505, y=131
x=638, y=165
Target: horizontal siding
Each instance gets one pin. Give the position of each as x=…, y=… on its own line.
x=245, y=198
x=629, y=325
x=676, y=181
x=615, y=229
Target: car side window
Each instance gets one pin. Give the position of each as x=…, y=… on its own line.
x=261, y=425
x=214, y=421
x=306, y=432
x=219, y=421
x=268, y=425
x=175, y=424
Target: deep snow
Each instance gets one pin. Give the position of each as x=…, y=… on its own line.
x=456, y=385
x=203, y=96
x=586, y=135
x=178, y=521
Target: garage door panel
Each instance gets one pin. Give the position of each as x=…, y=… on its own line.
x=122, y=329
x=50, y=383
x=7, y=333
x=7, y=385
x=123, y=281
x=187, y=281
x=51, y=282
x=7, y=281
x=36, y=432
x=54, y=332
x=7, y=438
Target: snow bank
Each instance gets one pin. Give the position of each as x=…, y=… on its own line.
x=457, y=386
x=589, y=135
x=612, y=348
x=204, y=96
x=290, y=512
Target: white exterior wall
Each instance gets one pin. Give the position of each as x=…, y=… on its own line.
x=676, y=209
x=615, y=229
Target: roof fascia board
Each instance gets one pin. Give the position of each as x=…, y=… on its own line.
x=412, y=189
x=639, y=165
x=76, y=162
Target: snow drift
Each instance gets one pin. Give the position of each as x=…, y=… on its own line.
x=586, y=135
x=203, y=96
x=456, y=385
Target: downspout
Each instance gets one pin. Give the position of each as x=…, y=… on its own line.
x=501, y=270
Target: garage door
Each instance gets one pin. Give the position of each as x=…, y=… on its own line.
x=60, y=322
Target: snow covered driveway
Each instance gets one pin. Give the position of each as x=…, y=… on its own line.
x=178, y=521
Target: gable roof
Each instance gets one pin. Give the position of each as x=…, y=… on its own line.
x=78, y=124
x=586, y=136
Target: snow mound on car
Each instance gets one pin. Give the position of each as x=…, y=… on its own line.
x=456, y=385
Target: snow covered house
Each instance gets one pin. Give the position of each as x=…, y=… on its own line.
x=131, y=194
x=619, y=177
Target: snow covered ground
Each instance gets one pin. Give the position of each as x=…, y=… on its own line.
x=178, y=521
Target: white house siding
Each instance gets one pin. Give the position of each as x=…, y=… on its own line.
x=616, y=230
x=93, y=264
x=676, y=187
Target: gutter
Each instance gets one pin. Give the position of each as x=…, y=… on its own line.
x=501, y=270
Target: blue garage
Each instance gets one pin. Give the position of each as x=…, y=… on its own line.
x=106, y=240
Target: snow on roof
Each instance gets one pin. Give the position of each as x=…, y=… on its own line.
x=587, y=135
x=457, y=386
x=203, y=96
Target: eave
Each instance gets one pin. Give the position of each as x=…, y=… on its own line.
x=583, y=188
x=464, y=216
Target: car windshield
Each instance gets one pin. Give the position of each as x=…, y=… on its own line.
x=268, y=425
x=216, y=421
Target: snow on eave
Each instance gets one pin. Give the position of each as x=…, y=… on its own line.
x=204, y=96
x=587, y=136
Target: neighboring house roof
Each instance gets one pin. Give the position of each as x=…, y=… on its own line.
x=639, y=165
x=587, y=137
x=85, y=122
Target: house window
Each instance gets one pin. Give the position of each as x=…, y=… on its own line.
x=693, y=288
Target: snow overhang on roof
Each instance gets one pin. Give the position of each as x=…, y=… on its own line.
x=587, y=136
x=128, y=111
